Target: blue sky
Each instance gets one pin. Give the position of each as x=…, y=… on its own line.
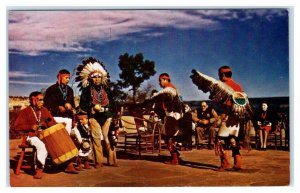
x=254, y=42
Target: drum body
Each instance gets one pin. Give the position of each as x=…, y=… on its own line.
x=59, y=144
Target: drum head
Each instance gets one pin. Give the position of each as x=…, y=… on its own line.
x=239, y=98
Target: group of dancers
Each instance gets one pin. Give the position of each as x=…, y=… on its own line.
x=93, y=125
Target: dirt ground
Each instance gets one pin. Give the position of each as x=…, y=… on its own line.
x=260, y=168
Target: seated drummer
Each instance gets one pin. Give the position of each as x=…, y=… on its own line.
x=32, y=120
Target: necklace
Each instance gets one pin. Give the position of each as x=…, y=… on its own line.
x=38, y=119
x=98, y=94
x=64, y=92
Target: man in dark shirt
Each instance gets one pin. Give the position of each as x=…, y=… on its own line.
x=204, y=117
x=59, y=99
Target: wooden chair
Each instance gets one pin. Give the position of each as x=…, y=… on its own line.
x=205, y=137
x=146, y=134
x=142, y=131
x=283, y=128
x=157, y=126
x=130, y=132
x=274, y=139
x=278, y=137
x=22, y=163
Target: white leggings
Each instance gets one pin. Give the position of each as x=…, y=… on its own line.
x=225, y=131
x=41, y=150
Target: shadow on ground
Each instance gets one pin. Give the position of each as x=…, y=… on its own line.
x=162, y=159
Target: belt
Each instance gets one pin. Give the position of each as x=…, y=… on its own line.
x=103, y=109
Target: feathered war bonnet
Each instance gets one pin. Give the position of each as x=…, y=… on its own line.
x=89, y=68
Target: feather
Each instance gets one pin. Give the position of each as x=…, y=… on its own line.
x=77, y=79
x=220, y=92
x=87, y=68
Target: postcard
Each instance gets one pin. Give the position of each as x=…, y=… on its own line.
x=149, y=97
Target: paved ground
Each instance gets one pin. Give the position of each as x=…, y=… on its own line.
x=260, y=168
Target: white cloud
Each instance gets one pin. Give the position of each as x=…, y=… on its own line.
x=18, y=74
x=35, y=32
x=242, y=14
x=154, y=34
